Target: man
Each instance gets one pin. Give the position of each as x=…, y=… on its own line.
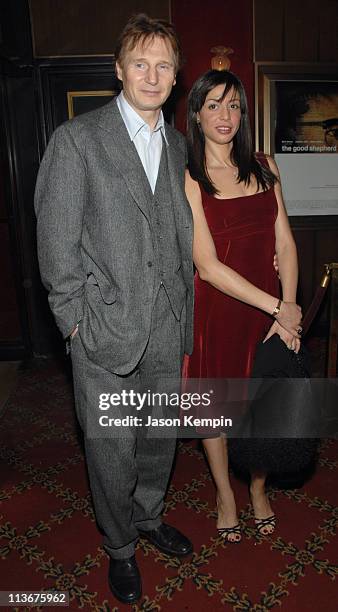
x=115, y=250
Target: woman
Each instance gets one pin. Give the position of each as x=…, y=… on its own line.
x=239, y=223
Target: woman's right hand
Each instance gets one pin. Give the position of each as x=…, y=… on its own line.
x=289, y=317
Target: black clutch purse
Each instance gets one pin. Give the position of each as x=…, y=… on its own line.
x=278, y=432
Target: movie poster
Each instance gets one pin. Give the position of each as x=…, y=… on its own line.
x=306, y=141
x=307, y=117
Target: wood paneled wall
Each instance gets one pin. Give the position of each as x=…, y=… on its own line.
x=85, y=27
x=12, y=336
x=296, y=31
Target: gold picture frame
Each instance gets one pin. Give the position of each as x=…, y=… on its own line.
x=87, y=98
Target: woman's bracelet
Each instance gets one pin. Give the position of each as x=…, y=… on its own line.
x=277, y=308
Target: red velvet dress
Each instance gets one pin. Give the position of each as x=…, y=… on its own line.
x=226, y=331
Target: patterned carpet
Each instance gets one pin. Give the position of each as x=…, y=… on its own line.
x=48, y=536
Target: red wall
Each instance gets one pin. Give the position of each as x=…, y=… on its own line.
x=202, y=25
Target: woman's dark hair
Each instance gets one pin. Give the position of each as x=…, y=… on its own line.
x=242, y=154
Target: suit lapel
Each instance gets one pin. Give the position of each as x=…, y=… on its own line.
x=124, y=156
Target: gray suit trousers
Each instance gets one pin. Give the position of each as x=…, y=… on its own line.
x=129, y=472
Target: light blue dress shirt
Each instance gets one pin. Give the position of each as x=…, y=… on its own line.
x=148, y=143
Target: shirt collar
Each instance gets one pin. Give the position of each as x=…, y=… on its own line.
x=133, y=122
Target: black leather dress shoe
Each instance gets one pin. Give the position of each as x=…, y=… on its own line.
x=125, y=579
x=169, y=540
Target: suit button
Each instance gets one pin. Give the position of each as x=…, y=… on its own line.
x=149, y=264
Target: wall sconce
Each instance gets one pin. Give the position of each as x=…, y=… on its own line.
x=220, y=60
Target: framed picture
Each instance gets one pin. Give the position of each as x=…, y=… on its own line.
x=297, y=122
x=83, y=101
x=291, y=99
x=72, y=86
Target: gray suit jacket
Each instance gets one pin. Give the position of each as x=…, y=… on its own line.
x=95, y=237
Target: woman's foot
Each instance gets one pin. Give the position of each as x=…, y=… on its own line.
x=231, y=534
x=266, y=526
x=227, y=521
x=265, y=519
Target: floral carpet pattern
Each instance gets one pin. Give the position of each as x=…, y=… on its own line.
x=49, y=539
